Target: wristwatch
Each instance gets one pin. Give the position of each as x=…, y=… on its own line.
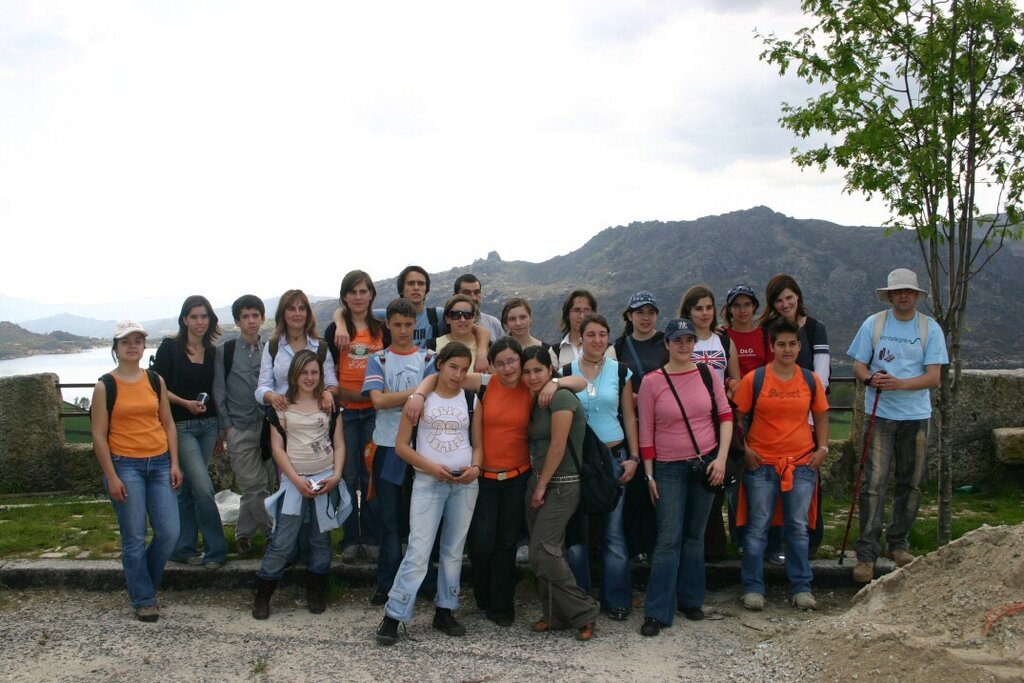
x=648, y=477
x=554, y=380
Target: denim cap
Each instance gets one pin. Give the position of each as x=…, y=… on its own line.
x=126, y=327
x=741, y=290
x=641, y=299
x=901, y=278
x=677, y=327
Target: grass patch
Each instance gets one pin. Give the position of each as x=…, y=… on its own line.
x=993, y=505
x=77, y=429
x=839, y=426
x=45, y=524
x=260, y=666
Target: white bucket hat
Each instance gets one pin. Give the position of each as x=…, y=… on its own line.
x=901, y=278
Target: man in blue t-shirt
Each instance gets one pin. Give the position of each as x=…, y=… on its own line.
x=899, y=353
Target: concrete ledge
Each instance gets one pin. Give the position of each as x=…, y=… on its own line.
x=107, y=575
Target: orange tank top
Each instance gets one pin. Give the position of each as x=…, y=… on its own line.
x=135, y=428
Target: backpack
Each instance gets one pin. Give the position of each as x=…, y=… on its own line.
x=110, y=384
x=880, y=320
x=599, y=488
x=229, y=356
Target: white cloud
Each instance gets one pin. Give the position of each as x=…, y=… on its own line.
x=259, y=146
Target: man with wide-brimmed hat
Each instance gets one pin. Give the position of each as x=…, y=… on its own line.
x=898, y=352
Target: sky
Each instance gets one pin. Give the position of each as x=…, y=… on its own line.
x=157, y=149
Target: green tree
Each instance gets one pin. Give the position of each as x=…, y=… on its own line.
x=920, y=103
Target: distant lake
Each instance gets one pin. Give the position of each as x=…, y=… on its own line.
x=72, y=368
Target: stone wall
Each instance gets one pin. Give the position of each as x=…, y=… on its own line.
x=31, y=434
x=988, y=399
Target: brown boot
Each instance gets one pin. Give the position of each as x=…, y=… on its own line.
x=901, y=556
x=864, y=572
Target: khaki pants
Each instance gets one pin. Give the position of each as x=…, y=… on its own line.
x=563, y=603
x=256, y=478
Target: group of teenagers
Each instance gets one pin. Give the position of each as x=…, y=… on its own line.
x=462, y=432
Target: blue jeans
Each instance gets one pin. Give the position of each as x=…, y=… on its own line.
x=286, y=540
x=616, y=580
x=148, y=482
x=677, y=566
x=763, y=488
x=361, y=525
x=196, y=505
x=389, y=508
x=433, y=500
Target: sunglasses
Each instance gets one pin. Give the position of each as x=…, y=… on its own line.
x=455, y=315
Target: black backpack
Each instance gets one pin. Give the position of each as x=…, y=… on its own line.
x=599, y=488
x=110, y=384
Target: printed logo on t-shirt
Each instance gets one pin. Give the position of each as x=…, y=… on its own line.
x=782, y=395
x=446, y=433
x=357, y=355
x=885, y=355
x=713, y=358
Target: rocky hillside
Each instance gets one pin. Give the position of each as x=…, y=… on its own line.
x=838, y=268
x=17, y=342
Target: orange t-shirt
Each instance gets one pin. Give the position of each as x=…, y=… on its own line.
x=780, y=428
x=352, y=364
x=135, y=427
x=506, y=415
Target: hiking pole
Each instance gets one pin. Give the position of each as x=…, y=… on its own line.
x=860, y=474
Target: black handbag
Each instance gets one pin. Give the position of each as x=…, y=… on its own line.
x=733, y=465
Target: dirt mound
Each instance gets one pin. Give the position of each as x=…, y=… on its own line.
x=922, y=622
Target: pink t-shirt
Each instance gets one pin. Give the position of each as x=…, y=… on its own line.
x=663, y=434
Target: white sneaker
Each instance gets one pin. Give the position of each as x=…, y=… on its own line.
x=523, y=554
x=753, y=601
x=804, y=601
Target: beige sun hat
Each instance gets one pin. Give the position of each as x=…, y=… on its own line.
x=126, y=327
x=901, y=278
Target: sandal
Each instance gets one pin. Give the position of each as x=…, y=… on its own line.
x=585, y=632
x=541, y=626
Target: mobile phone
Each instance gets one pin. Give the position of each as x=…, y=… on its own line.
x=457, y=473
x=316, y=484
x=203, y=397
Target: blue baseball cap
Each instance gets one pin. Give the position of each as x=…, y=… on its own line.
x=641, y=299
x=678, y=327
x=741, y=290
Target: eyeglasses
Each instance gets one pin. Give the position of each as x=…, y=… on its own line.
x=581, y=311
x=455, y=315
x=510, y=363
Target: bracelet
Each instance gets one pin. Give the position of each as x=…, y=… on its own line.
x=648, y=477
x=635, y=458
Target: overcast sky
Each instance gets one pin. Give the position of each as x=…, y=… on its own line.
x=169, y=148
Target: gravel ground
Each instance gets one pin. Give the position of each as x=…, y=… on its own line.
x=208, y=635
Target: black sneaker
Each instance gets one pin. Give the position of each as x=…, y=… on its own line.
x=444, y=621
x=618, y=613
x=244, y=546
x=387, y=632
x=651, y=627
x=379, y=598
x=693, y=613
